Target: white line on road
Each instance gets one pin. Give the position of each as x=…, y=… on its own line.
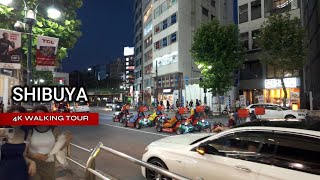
x=135, y=130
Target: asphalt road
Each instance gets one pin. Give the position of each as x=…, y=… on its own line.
x=130, y=141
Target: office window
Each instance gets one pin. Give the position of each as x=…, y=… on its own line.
x=164, y=24
x=157, y=12
x=157, y=29
x=147, y=28
x=255, y=9
x=173, y=37
x=244, y=38
x=213, y=3
x=205, y=11
x=174, y=18
x=164, y=42
x=157, y=45
x=243, y=13
x=255, y=35
x=164, y=6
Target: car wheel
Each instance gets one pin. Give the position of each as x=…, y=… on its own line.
x=154, y=175
x=197, y=127
x=290, y=117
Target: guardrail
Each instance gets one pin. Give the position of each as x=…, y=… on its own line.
x=91, y=172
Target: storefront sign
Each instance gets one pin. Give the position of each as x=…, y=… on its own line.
x=167, y=59
x=294, y=96
x=276, y=83
x=167, y=91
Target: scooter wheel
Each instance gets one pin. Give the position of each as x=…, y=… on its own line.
x=178, y=132
x=125, y=124
x=197, y=127
x=138, y=126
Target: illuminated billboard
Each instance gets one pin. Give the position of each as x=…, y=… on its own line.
x=128, y=51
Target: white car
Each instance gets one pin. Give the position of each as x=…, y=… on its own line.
x=274, y=111
x=248, y=153
x=79, y=107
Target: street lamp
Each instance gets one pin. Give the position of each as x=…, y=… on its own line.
x=53, y=13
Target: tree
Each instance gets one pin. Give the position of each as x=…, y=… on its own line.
x=67, y=29
x=219, y=54
x=282, y=40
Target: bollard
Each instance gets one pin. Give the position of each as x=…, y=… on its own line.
x=91, y=162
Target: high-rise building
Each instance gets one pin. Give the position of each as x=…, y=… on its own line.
x=310, y=93
x=168, y=28
x=256, y=78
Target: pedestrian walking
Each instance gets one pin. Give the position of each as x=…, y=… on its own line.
x=168, y=105
x=197, y=103
x=191, y=104
x=14, y=164
x=1, y=107
x=44, y=141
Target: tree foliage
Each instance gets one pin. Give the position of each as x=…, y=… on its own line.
x=219, y=54
x=282, y=40
x=67, y=28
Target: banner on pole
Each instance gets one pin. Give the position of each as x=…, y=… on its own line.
x=47, y=48
x=10, y=49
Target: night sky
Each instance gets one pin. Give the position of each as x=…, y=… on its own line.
x=107, y=27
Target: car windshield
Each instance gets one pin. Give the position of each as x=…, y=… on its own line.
x=283, y=108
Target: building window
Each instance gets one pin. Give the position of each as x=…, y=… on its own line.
x=173, y=18
x=173, y=37
x=243, y=13
x=157, y=45
x=157, y=29
x=157, y=12
x=212, y=17
x=147, y=29
x=164, y=24
x=253, y=70
x=255, y=9
x=255, y=35
x=273, y=72
x=164, y=42
x=164, y=6
x=205, y=11
x=148, y=56
x=213, y=3
x=244, y=38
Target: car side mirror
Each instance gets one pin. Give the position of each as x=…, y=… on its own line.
x=204, y=148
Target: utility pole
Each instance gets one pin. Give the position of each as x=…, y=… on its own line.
x=156, y=88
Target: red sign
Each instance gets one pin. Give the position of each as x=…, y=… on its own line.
x=243, y=113
x=49, y=119
x=260, y=111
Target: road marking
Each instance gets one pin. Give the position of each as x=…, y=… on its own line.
x=135, y=130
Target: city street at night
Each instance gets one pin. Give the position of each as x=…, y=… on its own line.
x=128, y=140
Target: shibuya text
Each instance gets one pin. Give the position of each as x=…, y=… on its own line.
x=48, y=94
